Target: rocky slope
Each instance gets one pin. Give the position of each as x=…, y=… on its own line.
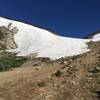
x=40, y=78
x=72, y=78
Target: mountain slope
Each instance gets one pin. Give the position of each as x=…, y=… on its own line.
x=74, y=78
x=90, y=36
x=69, y=78
x=31, y=39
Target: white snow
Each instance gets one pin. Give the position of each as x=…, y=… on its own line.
x=31, y=39
x=96, y=37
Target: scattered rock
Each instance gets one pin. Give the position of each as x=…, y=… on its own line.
x=97, y=68
x=38, y=67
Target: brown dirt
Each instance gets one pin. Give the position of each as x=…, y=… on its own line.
x=78, y=79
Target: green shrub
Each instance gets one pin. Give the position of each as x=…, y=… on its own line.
x=1, y=36
x=9, y=60
x=58, y=73
x=41, y=84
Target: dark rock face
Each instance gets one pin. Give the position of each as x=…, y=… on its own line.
x=91, y=35
x=7, y=37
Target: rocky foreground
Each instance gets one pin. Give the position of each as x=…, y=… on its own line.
x=72, y=78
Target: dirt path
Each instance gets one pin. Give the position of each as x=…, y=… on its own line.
x=23, y=78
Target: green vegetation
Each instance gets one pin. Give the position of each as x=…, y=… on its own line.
x=1, y=36
x=41, y=84
x=58, y=73
x=2, y=47
x=9, y=60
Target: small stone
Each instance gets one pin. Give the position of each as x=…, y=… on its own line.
x=38, y=68
x=97, y=68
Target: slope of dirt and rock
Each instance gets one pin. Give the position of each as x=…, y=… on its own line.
x=42, y=78
x=71, y=78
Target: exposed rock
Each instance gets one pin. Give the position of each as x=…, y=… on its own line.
x=7, y=37
x=97, y=68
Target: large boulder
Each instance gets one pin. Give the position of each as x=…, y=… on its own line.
x=7, y=37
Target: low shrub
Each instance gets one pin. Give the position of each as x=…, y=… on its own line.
x=41, y=84
x=9, y=60
x=58, y=73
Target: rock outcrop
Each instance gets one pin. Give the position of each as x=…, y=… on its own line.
x=7, y=37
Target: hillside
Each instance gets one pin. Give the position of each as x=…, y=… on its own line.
x=74, y=78
x=51, y=67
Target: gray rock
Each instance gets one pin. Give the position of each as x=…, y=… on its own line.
x=7, y=37
x=97, y=68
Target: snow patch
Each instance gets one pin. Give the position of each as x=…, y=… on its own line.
x=96, y=37
x=31, y=39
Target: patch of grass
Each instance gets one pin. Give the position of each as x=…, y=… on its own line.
x=2, y=47
x=9, y=60
x=58, y=73
x=41, y=84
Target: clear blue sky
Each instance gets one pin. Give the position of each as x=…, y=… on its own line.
x=75, y=18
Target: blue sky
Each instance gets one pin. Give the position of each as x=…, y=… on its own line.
x=74, y=18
